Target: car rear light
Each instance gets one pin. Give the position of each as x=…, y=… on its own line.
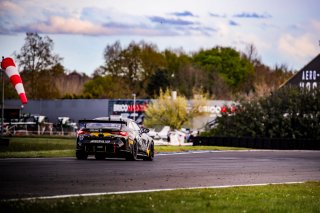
x=81, y=132
x=121, y=133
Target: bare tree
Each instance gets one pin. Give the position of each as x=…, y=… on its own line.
x=36, y=54
x=36, y=58
x=112, y=59
x=251, y=53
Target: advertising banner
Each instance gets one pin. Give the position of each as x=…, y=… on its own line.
x=128, y=109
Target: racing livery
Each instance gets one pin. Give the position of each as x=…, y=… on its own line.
x=113, y=137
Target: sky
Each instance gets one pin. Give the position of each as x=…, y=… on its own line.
x=284, y=32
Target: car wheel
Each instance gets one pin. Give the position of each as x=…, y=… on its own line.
x=134, y=152
x=150, y=155
x=100, y=156
x=81, y=155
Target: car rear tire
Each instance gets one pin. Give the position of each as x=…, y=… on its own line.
x=133, y=155
x=81, y=155
x=151, y=154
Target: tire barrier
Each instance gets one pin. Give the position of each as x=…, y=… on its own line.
x=259, y=143
x=12, y=72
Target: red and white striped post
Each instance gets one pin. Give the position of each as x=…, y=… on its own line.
x=8, y=66
x=12, y=72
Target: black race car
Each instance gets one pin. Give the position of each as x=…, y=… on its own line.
x=113, y=137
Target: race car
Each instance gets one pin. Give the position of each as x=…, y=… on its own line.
x=113, y=137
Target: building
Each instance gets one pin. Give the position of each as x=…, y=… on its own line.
x=78, y=109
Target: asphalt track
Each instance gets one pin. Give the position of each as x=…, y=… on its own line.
x=21, y=178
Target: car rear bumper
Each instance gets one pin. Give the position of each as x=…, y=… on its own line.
x=109, y=148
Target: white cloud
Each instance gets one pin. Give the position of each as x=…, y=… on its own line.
x=240, y=38
x=69, y=26
x=305, y=45
x=298, y=48
x=8, y=7
x=316, y=26
x=61, y=25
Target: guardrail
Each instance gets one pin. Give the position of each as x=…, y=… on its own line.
x=258, y=143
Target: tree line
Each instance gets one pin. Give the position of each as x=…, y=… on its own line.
x=140, y=68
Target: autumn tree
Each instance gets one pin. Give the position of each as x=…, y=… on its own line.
x=36, y=54
x=132, y=66
x=178, y=64
x=113, y=62
x=106, y=87
x=231, y=67
x=160, y=80
x=152, y=61
x=173, y=112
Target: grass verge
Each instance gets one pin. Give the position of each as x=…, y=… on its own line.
x=34, y=147
x=271, y=198
x=37, y=147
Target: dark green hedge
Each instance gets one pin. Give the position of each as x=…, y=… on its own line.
x=287, y=113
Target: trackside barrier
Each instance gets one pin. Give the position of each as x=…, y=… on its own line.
x=258, y=143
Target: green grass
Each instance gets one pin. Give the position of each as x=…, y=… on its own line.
x=35, y=147
x=23, y=147
x=39, y=144
x=38, y=154
x=271, y=198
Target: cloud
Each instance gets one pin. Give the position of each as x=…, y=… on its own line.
x=183, y=14
x=316, y=25
x=79, y=26
x=10, y=8
x=206, y=31
x=168, y=21
x=181, y=26
x=298, y=48
x=233, y=23
x=252, y=15
x=102, y=15
x=215, y=15
x=94, y=14
x=60, y=25
x=8, y=12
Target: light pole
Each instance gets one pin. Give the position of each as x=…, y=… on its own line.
x=134, y=106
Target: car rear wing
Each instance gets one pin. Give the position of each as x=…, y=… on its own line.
x=102, y=121
x=98, y=124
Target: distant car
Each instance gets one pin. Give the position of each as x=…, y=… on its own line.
x=109, y=137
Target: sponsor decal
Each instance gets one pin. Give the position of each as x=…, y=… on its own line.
x=100, y=141
x=309, y=79
x=217, y=109
x=129, y=107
